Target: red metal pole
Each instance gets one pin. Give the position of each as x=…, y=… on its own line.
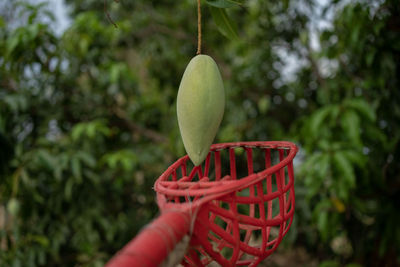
x=154, y=243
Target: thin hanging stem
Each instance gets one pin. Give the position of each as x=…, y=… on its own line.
x=108, y=14
x=198, y=28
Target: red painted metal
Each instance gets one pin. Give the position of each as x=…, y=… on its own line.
x=153, y=244
x=239, y=218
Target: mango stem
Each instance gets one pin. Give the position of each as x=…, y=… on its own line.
x=198, y=27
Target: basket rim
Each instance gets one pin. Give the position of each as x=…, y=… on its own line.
x=221, y=187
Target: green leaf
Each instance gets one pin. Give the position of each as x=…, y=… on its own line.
x=42, y=240
x=76, y=168
x=357, y=158
x=315, y=170
x=127, y=164
x=124, y=157
x=363, y=107
x=34, y=30
x=345, y=167
x=223, y=3
x=322, y=224
x=91, y=128
x=351, y=125
x=355, y=35
x=12, y=43
x=225, y=25
x=318, y=118
x=322, y=165
x=77, y=131
x=46, y=159
x=87, y=158
x=334, y=114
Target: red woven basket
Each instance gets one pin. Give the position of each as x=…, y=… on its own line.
x=240, y=218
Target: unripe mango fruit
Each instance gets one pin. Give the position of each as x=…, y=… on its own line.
x=200, y=106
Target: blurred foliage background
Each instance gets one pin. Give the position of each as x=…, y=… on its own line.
x=87, y=121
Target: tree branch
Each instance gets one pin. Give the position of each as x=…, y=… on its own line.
x=150, y=134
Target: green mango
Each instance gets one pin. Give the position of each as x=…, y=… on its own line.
x=200, y=106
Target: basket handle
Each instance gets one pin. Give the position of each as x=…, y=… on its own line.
x=155, y=242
